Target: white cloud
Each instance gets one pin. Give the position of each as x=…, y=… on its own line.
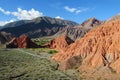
x=58, y=17
x=3, y=11
x=70, y=9
x=2, y=23
x=75, y=10
x=22, y=14
x=78, y=11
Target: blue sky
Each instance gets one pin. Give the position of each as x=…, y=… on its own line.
x=75, y=10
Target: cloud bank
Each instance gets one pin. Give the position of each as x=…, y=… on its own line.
x=21, y=14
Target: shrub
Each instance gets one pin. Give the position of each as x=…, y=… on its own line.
x=52, y=51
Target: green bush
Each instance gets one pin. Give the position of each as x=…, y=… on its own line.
x=52, y=51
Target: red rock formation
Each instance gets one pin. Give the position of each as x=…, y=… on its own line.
x=22, y=42
x=99, y=47
x=60, y=43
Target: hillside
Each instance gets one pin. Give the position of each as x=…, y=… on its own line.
x=5, y=37
x=39, y=27
x=80, y=30
x=98, y=48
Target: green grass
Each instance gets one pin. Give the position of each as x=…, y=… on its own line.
x=52, y=51
x=40, y=50
x=41, y=41
x=16, y=65
x=2, y=45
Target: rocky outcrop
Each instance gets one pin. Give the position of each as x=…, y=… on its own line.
x=60, y=43
x=5, y=37
x=92, y=22
x=22, y=42
x=99, y=47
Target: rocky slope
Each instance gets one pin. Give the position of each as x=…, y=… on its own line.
x=5, y=37
x=92, y=22
x=99, y=47
x=39, y=27
x=22, y=42
x=60, y=43
x=79, y=31
x=116, y=17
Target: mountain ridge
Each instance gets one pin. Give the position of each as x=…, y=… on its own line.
x=42, y=26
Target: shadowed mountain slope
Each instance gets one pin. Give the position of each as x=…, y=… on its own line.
x=5, y=37
x=39, y=27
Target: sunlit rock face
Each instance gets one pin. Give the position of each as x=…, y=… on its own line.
x=21, y=42
x=99, y=47
x=60, y=43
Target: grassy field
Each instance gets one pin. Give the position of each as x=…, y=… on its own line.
x=41, y=41
x=24, y=64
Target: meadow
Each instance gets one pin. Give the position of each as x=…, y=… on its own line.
x=30, y=64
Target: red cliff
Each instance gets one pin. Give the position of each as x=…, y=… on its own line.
x=60, y=43
x=99, y=47
x=22, y=42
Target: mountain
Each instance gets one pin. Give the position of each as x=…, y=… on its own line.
x=73, y=32
x=0, y=27
x=17, y=23
x=91, y=22
x=5, y=37
x=80, y=30
x=39, y=27
x=98, y=48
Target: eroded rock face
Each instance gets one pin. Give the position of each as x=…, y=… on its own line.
x=99, y=47
x=60, y=43
x=21, y=42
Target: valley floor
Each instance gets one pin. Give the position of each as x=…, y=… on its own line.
x=30, y=64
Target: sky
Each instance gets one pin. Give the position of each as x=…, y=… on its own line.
x=74, y=10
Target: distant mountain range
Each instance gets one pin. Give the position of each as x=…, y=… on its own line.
x=47, y=26
x=39, y=27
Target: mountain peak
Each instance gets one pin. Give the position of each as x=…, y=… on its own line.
x=38, y=27
x=91, y=22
